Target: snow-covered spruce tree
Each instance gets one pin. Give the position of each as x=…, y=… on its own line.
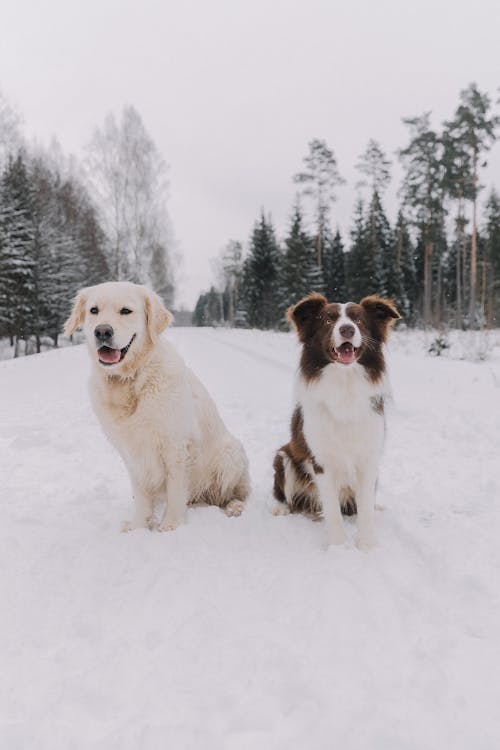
x=261, y=288
x=359, y=265
x=371, y=242
x=199, y=312
x=209, y=309
x=405, y=265
x=82, y=225
x=374, y=165
x=57, y=274
x=334, y=269
x=380, y=240
x=18, y=304
x=300, y=272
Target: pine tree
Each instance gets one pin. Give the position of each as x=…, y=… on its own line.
x=17, y=261
x=334, y=269
x=380, y=240
x=492, y=259
x=405, y=267
x=209, y=309
x=359, y=260
x=459, y=187
x=375, y=166
x=261, y=278
x=320, y=180
x=300, y=272
x=423, y=191
x=160, y=273
x=475, y=130
x=371, y=245
x=57, y=275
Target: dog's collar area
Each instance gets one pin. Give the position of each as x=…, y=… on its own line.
x=109, y=356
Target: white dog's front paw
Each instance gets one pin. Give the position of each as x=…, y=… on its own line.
x=148, y=523
x=170, y=524
x=234, y=508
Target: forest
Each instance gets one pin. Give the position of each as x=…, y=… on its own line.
x=65, y=225
x=439, y=260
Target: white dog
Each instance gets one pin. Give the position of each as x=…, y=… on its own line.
x=154, y=410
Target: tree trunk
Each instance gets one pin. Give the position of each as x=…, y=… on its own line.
x=438, y=313
x=473, y=249
x=490, y=315
x=230, y=311
x=427, y=281
x=38, y=343
x=483, y=293
x=319, y=249
x=458, y=302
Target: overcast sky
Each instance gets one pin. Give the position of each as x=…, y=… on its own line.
x=233, y=90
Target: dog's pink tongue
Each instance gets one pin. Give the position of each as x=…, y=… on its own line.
x=110, y=356
x=346, y=354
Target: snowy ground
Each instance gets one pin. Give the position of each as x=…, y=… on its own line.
x=245, y=634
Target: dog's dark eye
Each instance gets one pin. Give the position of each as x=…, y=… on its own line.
x=125, y=311
x=94, y=310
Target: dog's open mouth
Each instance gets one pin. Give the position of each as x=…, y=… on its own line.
x=109, y=356
x=346, y=353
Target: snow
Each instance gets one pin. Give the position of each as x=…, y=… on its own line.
x=245, y=633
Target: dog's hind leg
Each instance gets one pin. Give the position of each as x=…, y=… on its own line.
x=281, y=506
x=230, y=485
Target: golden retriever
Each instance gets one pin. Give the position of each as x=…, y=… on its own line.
x=154, y=410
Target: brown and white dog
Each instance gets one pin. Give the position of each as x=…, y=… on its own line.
x=331, y=463
x=154, y=410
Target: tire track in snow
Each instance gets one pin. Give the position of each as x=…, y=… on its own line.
x=253, y=353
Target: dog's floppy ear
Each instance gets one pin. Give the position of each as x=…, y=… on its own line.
x=301, y=315
x=77, y=313
x=382, y=311
x=157, y=315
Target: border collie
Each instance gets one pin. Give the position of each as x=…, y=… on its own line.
x=331, y=463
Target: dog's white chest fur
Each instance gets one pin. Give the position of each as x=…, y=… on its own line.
x=342, y=425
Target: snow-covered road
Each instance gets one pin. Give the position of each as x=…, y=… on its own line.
x=244, y=633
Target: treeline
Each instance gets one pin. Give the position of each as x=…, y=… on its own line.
x=439, y=260
x=65, y=225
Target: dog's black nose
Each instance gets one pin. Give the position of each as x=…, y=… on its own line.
x=103, y=333
x=347, y=332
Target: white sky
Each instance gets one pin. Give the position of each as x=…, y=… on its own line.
x=232, y=91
